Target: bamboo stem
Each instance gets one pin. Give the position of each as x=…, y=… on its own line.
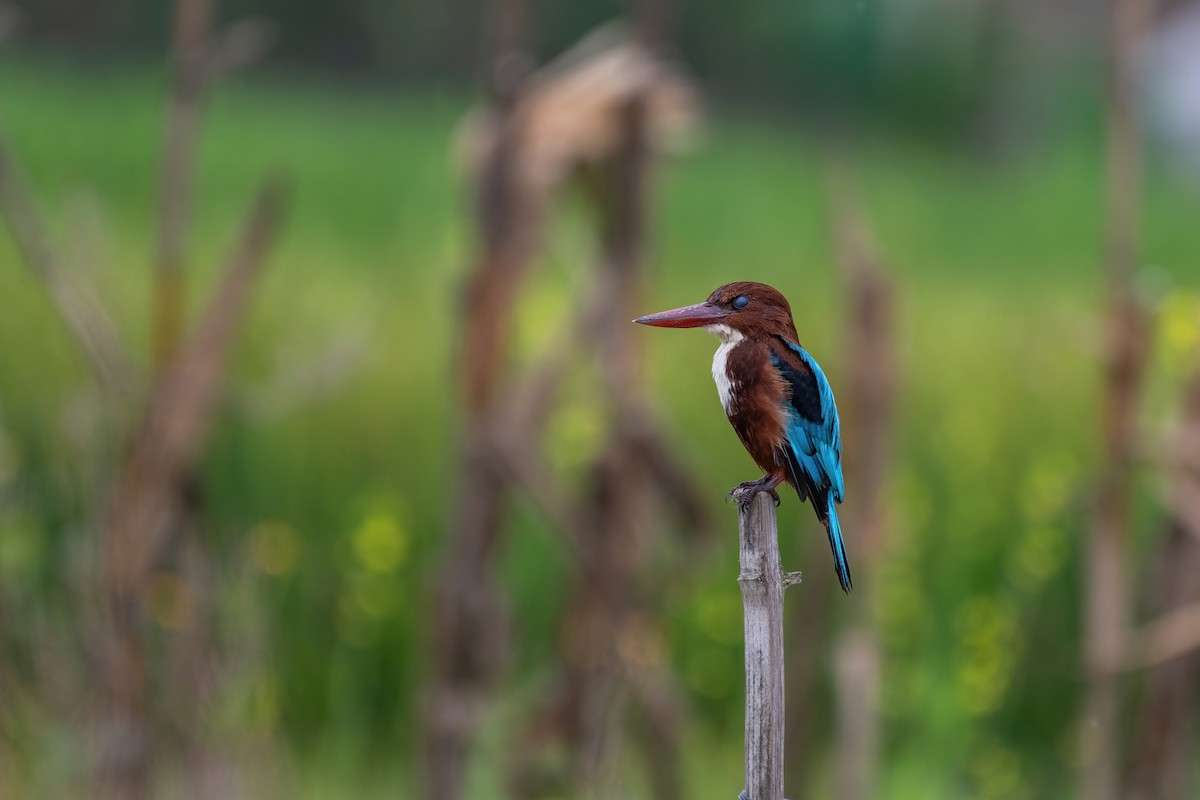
x=762, y=582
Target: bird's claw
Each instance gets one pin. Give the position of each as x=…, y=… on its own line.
x=744, y=492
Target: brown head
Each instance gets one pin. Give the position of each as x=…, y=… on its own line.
x=752, y=309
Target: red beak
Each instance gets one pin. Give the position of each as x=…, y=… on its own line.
x=696, y=316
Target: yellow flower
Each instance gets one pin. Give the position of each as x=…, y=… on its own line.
x=380, y=543
x=1179, y=328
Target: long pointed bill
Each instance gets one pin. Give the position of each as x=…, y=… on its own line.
x=696, y=316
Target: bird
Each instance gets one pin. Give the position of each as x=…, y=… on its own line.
x=776, y=397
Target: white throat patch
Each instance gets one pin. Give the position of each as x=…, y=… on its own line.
x=725, y=387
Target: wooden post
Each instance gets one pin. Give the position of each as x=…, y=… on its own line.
x=762, y=581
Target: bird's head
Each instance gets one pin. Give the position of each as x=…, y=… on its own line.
x=747, y=308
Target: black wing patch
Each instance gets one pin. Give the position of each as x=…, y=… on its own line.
x=806, y=395
x=805, y=488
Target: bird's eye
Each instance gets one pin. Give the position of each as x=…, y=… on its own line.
x=741, y=302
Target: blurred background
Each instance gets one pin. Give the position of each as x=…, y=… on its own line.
x=331, y=466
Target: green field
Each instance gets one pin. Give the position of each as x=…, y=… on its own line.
x=325, y=508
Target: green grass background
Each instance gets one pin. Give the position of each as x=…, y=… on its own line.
x=325, y=517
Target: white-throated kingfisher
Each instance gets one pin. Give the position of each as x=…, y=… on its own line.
x=776, y=397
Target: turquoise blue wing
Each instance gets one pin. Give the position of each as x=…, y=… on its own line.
x=813, y=451
x=813, y=428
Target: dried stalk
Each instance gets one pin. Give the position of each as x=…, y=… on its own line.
x=1176, y=632
x=870, y=388
x=517, y=170
x=81, y=310
x=470, y=635
x=1106, y=601
x=182, y=405
x=190, y=62
x=614, y=519
x=1161, y=763
x=147, y=504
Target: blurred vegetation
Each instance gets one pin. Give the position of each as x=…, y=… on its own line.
x=326, y=513
x=931, y=67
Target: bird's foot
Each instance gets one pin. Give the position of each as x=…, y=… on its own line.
x=744, y=492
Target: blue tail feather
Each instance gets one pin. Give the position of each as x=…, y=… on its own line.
x=840, y=562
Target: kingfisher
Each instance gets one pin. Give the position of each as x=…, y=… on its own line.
x=776, y=397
